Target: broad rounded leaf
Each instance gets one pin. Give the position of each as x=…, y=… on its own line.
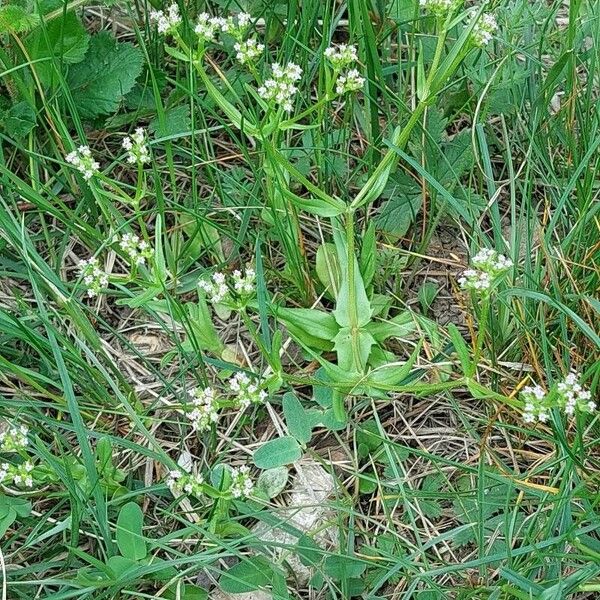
x=130, y=540
x=277, y=452
x=273, y=481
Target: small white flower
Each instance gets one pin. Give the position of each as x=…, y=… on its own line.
x=206, y=27
x=572, y=396
x=166, y=23
x=475, y=280
x=205, y=409
x=483, y=30
x=535, y=404
x=246, y=391
x=179, y=482
x=217, y=289
x=248, y=51
x=352, y=81
x=137, y=147
x=14, y=438
x=438, y=7
x=93, y=277
x=244, y=284
x=241, y=484
x=136, y=249
x=341, y=56
x=280, y=89
x=83, y=161
x=21, y=474
x=491, y=262
x=489, y=265
x=234, y=25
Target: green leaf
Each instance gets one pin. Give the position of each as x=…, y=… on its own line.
x=427, y=294
x=345, y=349
x=108, y=73
x=311, y=327
x=16, y=19
x=19, y=120
x=272, y=481
x=249, y=575
x=343, y=310
x=278, y=452
x=369, y=436
x=397, y=214
x=186, y=592
x=401, y=326
x=297, y=418
x=119, y=565
x=315, y=206
x=368, y=255
x=9, y=517
x=65, y=39
x=177, y=120
x=342, y=568
x=328, y=268
x=130, y=539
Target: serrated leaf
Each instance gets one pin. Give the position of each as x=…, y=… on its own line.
x=108, y=73
x=177, y=120
x=278, y=452
x=397, y=214
x=16, y=19
x=19, y=120
x=64, y=38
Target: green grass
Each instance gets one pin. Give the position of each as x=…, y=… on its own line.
x=358, y=213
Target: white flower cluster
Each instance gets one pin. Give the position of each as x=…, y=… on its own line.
x=217, y=289
x=483, y=30
x=534, y=409
x=180, y=482
x=241, y=483
x=83, y=161
x=17, y=474
x=137, y=147
x=166, y=22
x=136, y=249
x=280, y=89
x=341, y=57
x=438, y=8
x=244, y=284
x=488, y=265
x=246, y=391
x=207, y=27
x=570, y=397
x=248, y=51
x=14, y=438
x=234, y=25
x=352, y=81
x=205, y=410
x=94, y=278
